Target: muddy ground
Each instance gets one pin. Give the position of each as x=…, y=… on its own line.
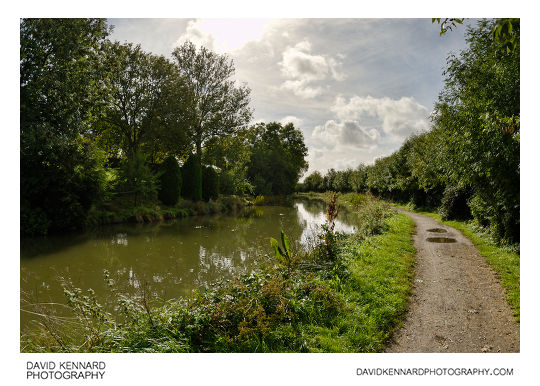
x=457, y=304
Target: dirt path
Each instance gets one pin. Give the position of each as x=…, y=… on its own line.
x=457, y=305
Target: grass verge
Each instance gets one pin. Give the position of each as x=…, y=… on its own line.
x=376, y=292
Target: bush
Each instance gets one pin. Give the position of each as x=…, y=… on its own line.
x=192, y=179
x=374, y=218
x=170, y=181
x=210, y=183
x=454, y=203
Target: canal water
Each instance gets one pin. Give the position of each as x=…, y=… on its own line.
x=170, y=259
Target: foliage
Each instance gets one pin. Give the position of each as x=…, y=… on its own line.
x=137, y=180
x=59, y=186
x=61, y=172
x=468, y=163
x=231, y=155
x=147, y=102
x=454, y=203
x=328, y=247
x=220, y=108
x=506, y=33
x=478, y=112
x=277, y=158
x=192, y=179
x=313, y=183
x=357, y=180
x=210, y=183
x=284, y=255
x=447, y=24
x=170, y=181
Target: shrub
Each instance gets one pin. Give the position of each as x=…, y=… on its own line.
x=210, y=183
x=454, y=203
x=374, y=216
x=192, y=179
x=170, y=181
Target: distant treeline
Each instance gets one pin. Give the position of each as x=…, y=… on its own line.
x=468, y=164
x=106, y=123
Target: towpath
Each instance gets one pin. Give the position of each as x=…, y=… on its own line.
x=457, y=304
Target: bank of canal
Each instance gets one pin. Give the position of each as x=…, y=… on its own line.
x=172, y=258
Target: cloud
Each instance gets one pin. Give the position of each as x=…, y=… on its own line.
x=223, y=35
x=297, y=122
x=347, y=133
x=196, y=34
x=362, y=129
x=301, y=68
x=299, y=88
x=397, y=117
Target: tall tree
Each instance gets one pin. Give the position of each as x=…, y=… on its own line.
x=278, y=158
x=147, y=105
x=59, y=87
x=220, y=107
x=479, y=112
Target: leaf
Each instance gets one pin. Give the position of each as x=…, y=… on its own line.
x=274, y=243
x=286, y=243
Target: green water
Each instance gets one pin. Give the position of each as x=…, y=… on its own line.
x=169, y=259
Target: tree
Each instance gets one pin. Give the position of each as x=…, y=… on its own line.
x=358, y=179
x=478, y=113
x=60, y=69
x=137, y=180
x=170, y=181
x=277, y=158
x=314, y=182
x=147, y=104
x=210, y=183
x=329, y=179
x=231, y=154
x=219, y=107
x=192, y=179
x=342, y=181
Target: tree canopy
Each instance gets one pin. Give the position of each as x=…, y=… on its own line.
x=277, y=158
x=220, y=107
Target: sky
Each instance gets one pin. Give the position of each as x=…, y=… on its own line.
x=357, y=88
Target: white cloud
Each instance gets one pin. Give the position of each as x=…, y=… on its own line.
x=398, y=117
x=223, y=35
x=299, y=64
x=197, y=36
x=297, y=122
x=301, y=68
x=362, y=128
x=347, y=133
x=300, y=89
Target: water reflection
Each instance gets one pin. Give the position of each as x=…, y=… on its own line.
x=311, y=221
x=172, y=258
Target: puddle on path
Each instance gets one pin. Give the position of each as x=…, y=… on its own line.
x=441, y=240
x=437, y=230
